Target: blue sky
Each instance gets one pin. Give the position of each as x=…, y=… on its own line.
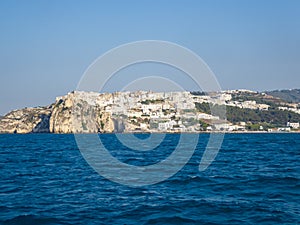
x=45, y=46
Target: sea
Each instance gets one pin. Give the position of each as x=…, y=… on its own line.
x=254, y=179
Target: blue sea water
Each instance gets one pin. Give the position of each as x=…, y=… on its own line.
x=255, y=179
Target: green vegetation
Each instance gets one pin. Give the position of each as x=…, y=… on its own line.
x=152, y=101
x=199, y=93
x=259, y=98
x=203, y=125
x=189, y=110
x=102, y=125
x=286, y=95
x=57, y=103
x=258, y=126
x=273, y=117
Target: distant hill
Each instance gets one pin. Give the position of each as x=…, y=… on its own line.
x=286, y=95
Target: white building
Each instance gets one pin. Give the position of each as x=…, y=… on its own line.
x=207, y=116
x=293, y=125
x=143, y=126
x=165, y=106
x=236, y=128
x=189, y=115
x=284, y=129
x=134, y=114
x=163, y=126
x=222, y=126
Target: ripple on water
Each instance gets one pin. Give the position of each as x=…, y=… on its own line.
x=253, y=180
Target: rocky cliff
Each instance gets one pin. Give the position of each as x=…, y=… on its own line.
x=69, y=114
x=26, y=120
x=146, y=111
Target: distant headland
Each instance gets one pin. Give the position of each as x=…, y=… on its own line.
x=168, y=112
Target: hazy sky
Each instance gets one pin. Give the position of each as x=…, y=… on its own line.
x=45, y=46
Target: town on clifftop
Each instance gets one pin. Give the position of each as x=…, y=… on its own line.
x=148, y=111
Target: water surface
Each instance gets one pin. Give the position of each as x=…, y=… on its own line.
x=255, y=179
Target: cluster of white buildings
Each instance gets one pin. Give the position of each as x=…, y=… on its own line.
x=248, y=105
x=170, y=111
x=225, y=98
x=165, y=112
x=293, y=125
x=292, y=109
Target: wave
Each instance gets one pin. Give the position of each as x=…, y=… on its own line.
x=32, y=220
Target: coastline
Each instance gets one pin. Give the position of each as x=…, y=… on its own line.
x=200, y=132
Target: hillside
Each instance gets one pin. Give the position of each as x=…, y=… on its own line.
x=271, y=118
x=286, y=95
x=147, y=111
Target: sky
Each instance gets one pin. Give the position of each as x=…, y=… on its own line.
x=46, y=46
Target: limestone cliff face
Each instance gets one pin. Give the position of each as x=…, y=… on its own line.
x=73, y=113
x=60, y=119
x=26, y=121
x=105, y=122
